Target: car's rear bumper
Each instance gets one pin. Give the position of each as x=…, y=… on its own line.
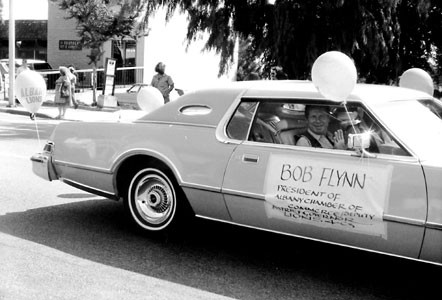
x=42, y=166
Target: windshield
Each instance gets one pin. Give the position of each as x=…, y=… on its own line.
x=435, y=106
x=415, y=124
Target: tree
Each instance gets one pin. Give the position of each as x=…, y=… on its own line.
x=434, y=23
x=100, y=20
x=383, y=37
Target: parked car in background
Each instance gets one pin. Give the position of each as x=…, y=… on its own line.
x=229, y=154
x=128, y=97
x=36, y=65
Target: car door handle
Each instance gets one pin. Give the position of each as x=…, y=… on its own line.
x=250, y=158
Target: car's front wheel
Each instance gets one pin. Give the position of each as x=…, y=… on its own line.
x=151, y=200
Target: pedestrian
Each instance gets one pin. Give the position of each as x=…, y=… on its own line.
x=23, y=67
x=252, y=76
x=62, y=92
x=277, y=73
x=162, y=81
x=73, y=77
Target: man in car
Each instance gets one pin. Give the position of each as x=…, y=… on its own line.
x=317, y=134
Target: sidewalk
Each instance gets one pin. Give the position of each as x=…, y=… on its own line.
x=85, y=111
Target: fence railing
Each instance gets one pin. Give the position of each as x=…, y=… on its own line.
x=123, y=77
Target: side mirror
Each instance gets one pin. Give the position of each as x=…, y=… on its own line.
x=359, y=141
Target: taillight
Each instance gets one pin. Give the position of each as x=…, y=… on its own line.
x=49, y=147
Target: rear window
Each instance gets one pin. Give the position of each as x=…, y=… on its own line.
x=42, y=66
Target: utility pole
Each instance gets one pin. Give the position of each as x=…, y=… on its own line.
x=11, y=54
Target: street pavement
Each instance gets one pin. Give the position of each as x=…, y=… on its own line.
x=85, y=112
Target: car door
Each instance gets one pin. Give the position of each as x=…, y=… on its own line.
x=376, y=203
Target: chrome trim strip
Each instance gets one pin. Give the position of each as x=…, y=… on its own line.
x=386, y=217
x=317, y=240
x=200, y=187
x=221, y=129
x=142, y=151
x=397, y=219
x=89, y=189
x=176, y=123
x=243, y=194
x=432, y=225
x=82, y=167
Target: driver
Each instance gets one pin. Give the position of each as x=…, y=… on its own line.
x=317, y=134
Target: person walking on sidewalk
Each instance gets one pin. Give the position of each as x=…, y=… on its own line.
x=162, y=81
x=73, y=77
x=62, y=92
x=23, y=67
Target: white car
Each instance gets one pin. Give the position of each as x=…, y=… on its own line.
x=33, y=64
x=228, y=154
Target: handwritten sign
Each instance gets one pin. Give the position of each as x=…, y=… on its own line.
x=31, y=94
x=330, y=194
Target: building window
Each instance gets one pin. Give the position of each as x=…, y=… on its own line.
x=124, y=51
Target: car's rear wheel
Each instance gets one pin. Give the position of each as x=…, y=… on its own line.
x=151, y=201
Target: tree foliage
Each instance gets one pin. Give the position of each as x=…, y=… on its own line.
x=383, y=37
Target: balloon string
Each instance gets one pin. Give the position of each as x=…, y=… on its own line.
x=38, y=134
x=350, y=117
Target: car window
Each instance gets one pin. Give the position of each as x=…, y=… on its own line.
x=285, y=122
x=239, y=124
x=41, y=66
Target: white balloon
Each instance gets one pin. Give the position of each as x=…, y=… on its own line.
x=417, y=79
x=334, y=75
x=30, y=89
x=149, y=98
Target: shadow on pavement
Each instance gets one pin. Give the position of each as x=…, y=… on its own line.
x=220, y=258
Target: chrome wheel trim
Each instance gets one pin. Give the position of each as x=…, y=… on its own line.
x=153, y=201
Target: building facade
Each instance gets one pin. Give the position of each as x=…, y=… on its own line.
x=188, y=65
x=31, y=39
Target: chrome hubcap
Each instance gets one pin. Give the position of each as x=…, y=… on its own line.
x=154, y=199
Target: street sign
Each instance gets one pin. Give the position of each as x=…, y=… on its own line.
x=109, y=79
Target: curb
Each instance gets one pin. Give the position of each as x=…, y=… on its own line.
x=19, y=110
x=84, y=106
